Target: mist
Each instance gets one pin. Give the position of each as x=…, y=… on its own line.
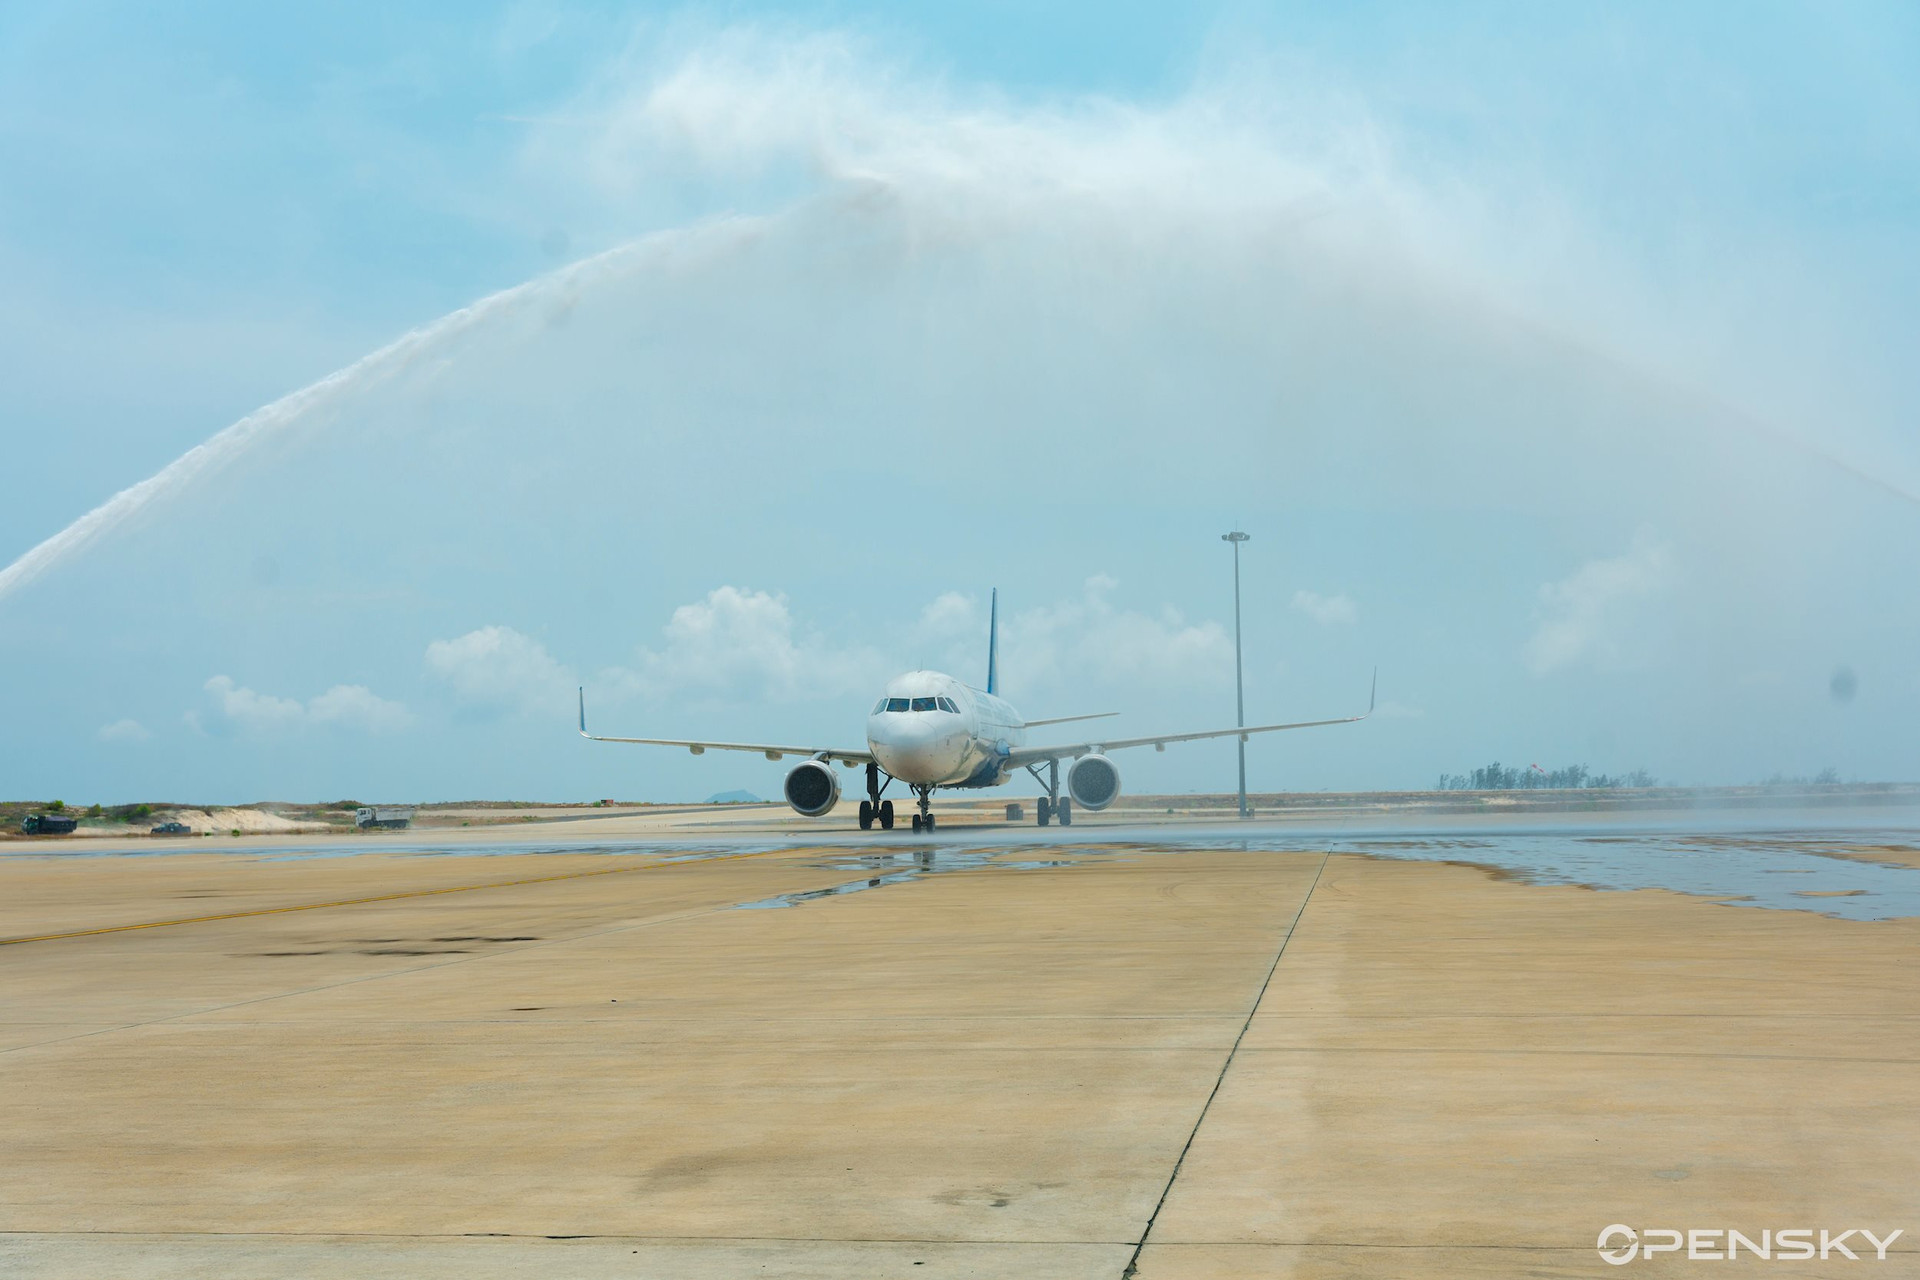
x=855, y=343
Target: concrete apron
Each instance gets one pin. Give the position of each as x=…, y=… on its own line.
x=988, y=1072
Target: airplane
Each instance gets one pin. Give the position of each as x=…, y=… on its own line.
x=933, y=732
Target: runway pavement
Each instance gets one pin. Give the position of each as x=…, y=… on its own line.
x=1046, y=1062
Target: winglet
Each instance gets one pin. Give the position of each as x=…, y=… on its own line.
x=993, y=644
x=583, y=712
x=1371, y=690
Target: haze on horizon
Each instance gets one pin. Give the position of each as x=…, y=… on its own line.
x=1556, y=361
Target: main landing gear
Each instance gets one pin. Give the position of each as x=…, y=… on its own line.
x=873, y=809
x=923, y=820
x=1051, y=806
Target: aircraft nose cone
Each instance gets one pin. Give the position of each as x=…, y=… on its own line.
x=916, y=751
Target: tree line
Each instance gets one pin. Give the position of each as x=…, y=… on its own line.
x=1499, y=777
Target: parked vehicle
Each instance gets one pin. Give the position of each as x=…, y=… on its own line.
x=172, y=829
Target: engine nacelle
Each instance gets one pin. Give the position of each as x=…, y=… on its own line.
x=812, y=788
x=1093, y=782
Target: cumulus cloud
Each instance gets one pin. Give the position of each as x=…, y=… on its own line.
x=354, y=706
x=1328, y=611
x=501, y=669
x=251, y=710
x=1088, y=636
x=347, y=706
x=745, y=643
x=124, y=731
x=1589, y=616
x=949, y=614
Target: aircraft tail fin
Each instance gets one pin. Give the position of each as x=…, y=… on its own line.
x=993, y=644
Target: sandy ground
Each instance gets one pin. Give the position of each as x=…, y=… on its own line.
x=1203, y=1063
x=1888, y=855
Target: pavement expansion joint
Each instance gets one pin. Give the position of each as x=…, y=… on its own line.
x=1133, y=1263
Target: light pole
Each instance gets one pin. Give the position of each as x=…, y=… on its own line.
x=1239, y=688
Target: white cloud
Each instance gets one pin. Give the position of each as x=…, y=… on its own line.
x=743, y=643
x=948, y=615
x=349, y=706
x=355, y=706
x=124, y=731
x=1328, y=611
x=1590, y=615
x=503, y=669
x=1090, y=637
x=250, y=710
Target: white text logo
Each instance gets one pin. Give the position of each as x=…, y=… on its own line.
x=1620, y=1244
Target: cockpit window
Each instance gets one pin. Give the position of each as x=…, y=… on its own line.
x=946, y=704
x=924, y=704
x=896, y=704
x=879, y=706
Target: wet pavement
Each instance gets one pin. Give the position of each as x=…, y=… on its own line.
x=1792, y=868
x=1246, y=1053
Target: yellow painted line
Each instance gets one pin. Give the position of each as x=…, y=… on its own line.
x=384, y=897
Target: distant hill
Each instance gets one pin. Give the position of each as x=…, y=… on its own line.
x=734, y=797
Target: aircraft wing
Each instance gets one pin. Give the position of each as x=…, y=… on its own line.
x=1098, y=715
x=1035, y=755
x=700, y=746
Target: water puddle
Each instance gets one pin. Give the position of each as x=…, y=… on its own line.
x=1777, y=869
x=1783, y=871
x=903, y=865
x=1739, y=871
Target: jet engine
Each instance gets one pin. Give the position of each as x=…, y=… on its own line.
x=812, y=788
x=1093, y=782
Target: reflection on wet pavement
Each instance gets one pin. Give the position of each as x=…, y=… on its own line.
x=900, y=866
x=1842, y=870
x=1739, y=870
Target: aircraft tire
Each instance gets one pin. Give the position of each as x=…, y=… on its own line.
x=1043, y=811
x=1064, y=811
x=929, y=822
x=916, y=824
x=886, y=815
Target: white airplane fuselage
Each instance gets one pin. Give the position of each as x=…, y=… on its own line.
x=929, y=729
x=931, y=732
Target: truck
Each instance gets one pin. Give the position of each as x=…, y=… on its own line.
x=384, y=816
x=48, y=824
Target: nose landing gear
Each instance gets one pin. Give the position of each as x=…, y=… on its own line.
x=923, y=820
x=873, y=809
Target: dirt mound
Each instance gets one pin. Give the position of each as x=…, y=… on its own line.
x=251, y=822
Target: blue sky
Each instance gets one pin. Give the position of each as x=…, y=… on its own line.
x=1556, y=357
